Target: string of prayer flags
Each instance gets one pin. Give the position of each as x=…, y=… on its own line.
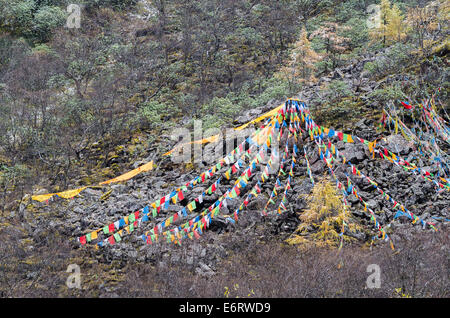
x=291, y=116
x=72, y=193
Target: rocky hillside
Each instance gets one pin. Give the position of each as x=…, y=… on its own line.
x=255, y=256
x=96, y=207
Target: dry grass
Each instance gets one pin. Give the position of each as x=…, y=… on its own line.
x=418, y=268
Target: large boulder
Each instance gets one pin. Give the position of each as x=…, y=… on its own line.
x=354, y=153
x=398, y=144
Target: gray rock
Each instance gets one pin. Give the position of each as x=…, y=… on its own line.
x=204, y=270
x=92, y=192
x=372, y=204
x=398, y=144
x=354, y=153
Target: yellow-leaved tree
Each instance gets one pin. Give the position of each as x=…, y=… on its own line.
x=392, y=26
x=396, y=27
x=323, y=219
x=333, y=42
x=300, y=68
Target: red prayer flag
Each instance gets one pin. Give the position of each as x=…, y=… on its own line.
x=406, y=105
x=180, y=195
x=83, y=240
x=111, y=240
x=111, y=228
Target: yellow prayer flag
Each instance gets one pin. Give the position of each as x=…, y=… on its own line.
x=349, y=138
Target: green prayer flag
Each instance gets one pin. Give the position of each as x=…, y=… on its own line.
x=258, y=156
x=117, y=237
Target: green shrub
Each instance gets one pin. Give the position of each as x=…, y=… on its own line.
x=16, y=16
x=337, y=89
x=386, y=94
x=371, y=67
x=45, y=20
x=219, y=111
